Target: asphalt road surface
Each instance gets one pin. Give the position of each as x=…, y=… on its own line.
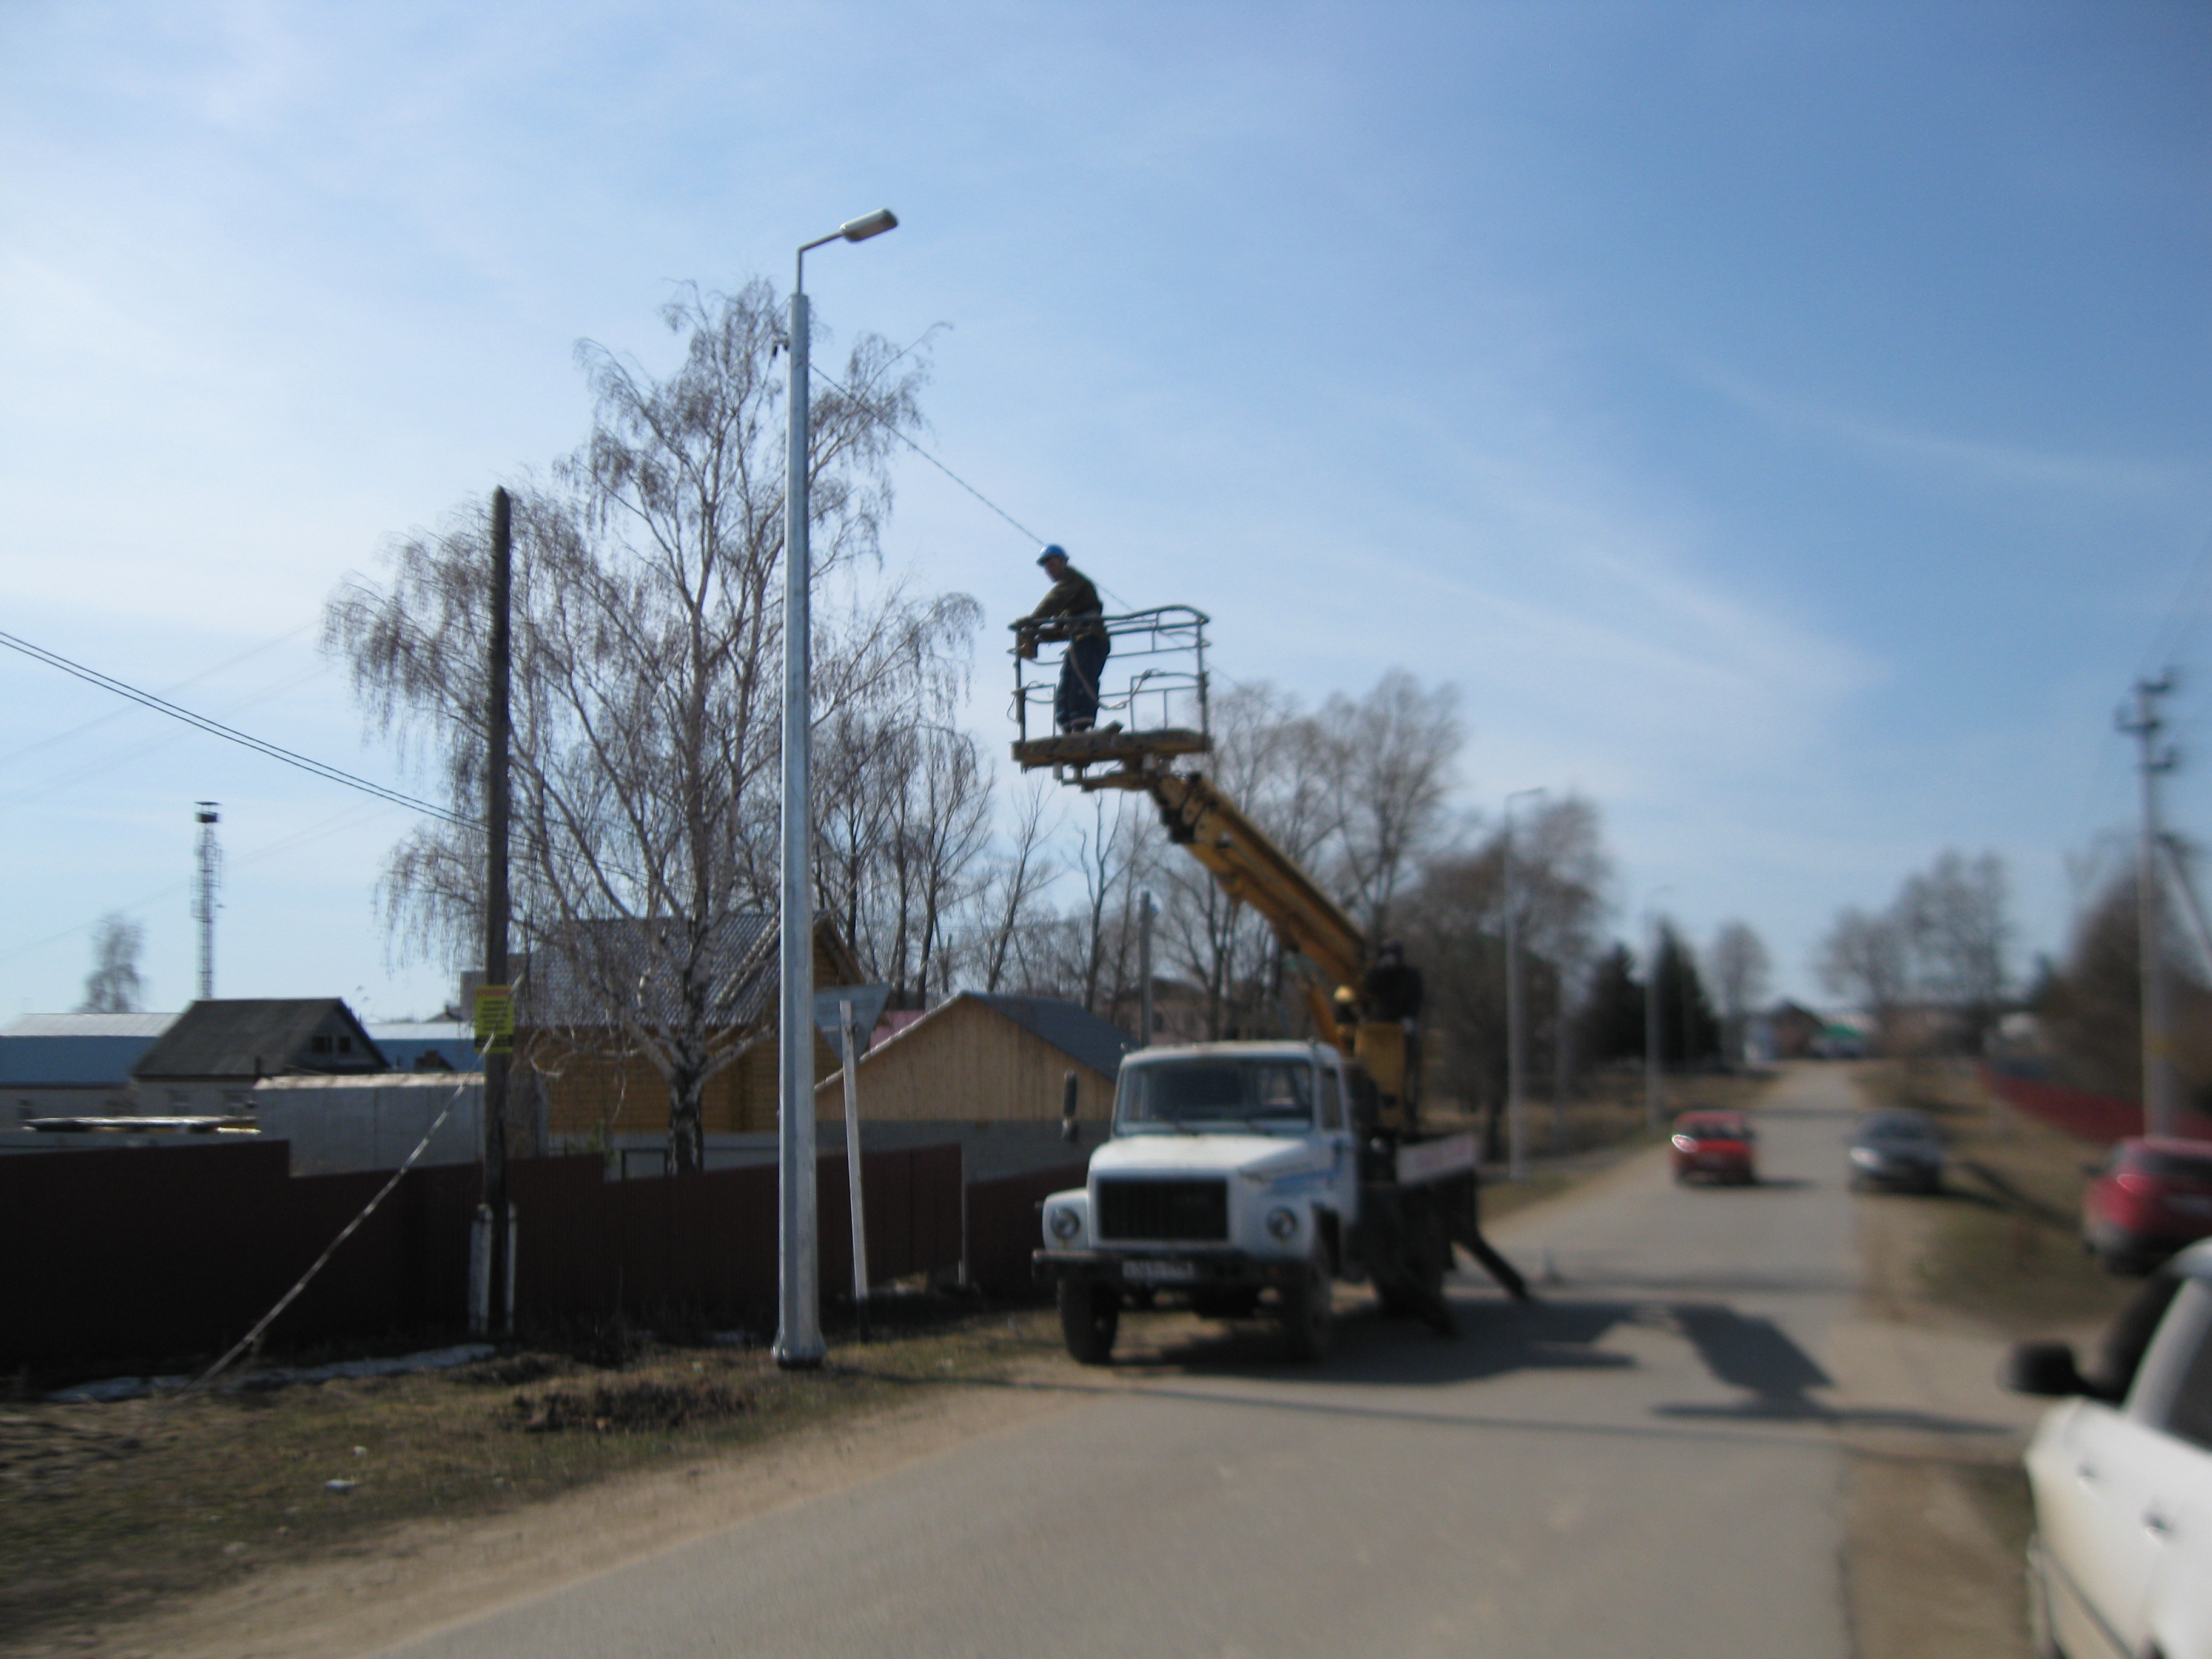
x=1647, y=1463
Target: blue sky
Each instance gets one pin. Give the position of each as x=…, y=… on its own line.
x=1787, y=424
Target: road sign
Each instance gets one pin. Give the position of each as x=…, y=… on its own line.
x=496, y=1019
x=867, y=1002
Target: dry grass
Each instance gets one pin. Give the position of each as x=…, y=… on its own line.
x=114, y=1509
x=2005, y=1245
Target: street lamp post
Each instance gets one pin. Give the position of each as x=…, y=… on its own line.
x=1651, y=1011
x=1516, y=1111
x=798, y=1299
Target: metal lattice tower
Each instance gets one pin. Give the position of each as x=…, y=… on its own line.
x=204, y=893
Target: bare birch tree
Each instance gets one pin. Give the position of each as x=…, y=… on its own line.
x=1394, y=751
x=647, y=637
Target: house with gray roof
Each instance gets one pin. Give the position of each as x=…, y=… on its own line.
x=208, y=1061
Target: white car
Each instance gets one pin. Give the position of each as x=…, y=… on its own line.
x=2121, y=1564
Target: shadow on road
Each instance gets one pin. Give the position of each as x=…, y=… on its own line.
x=1751, y=1354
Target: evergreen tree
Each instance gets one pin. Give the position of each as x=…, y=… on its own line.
x=1612, y=1018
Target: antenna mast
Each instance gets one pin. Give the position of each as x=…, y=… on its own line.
x=203, y=892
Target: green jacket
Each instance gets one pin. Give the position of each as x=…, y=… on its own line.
x=1074, y=598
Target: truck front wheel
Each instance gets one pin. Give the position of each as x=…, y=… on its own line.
x=1090, y=1316
x=1306, y=1310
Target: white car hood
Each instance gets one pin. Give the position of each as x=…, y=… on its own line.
x=1264, y=1157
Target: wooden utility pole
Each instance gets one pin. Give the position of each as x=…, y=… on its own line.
x=497, y=727
x=2162, y=1081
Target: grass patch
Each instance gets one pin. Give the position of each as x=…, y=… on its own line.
x=2005, y=1245
x=110, y=1510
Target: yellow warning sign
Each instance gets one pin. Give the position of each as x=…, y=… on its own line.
x=496, y=1019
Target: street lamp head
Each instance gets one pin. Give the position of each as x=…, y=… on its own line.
x=868, y=224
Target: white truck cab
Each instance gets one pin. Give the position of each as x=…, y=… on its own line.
x=1243, y=1171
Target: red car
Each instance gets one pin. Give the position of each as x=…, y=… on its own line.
x=1715, y=1145
x=2147, y=1200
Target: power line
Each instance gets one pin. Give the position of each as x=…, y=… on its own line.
x=891, y=429
x=350, y=818
x=123, y=757
x=321, y=770
x=13, y=754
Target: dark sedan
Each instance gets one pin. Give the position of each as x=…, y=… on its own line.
x=1900, y=1149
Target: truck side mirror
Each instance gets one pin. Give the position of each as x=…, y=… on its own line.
x=1070, y=1131
x=2046, y=1369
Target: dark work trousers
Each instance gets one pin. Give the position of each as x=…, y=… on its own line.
x=1075, y=707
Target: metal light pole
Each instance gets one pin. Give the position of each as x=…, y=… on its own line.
x=1652, y=1112
x=1516, y=1112
x=799, y=1291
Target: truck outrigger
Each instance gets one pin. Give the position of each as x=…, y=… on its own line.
x=1240, y=1175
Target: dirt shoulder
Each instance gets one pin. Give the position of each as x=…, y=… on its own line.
x=1936, y=1520
x=211, y=1527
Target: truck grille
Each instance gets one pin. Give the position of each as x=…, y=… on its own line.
x=1163, y=1209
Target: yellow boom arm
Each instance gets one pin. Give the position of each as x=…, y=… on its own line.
x=1252, y=869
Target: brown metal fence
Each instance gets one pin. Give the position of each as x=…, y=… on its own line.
x=146, y=1255
x=1003, y=1226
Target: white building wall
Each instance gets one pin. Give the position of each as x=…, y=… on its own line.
x=336, y=1125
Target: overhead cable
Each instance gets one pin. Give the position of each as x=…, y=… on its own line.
x=230, y=734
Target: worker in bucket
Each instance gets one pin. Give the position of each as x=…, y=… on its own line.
x=1070, y=611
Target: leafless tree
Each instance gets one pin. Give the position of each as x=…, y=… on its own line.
x=1954, y=918
x=1456, y=929
x=114, y=985
x=648, y=632
x=1740, y=966
x=1392, y=753
x=1009, y=896
x=1868, y=959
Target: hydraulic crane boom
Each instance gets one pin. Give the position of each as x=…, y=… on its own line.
x=1251, y=869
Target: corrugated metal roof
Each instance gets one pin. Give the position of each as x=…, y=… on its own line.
x=148, y=1026
x=1076, y=1033
x=597, y=973
x=244, y=1036
x=89, y=1062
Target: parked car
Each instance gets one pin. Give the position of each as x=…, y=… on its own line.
x=1898, y=1149
x=1714, y=1145
x=2121, y=1560
x=2150, y=1199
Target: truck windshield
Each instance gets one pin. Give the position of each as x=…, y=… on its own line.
x=1270, y=1094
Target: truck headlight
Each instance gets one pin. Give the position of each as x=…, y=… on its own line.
x=1283, y=1222
x=1064, y=1223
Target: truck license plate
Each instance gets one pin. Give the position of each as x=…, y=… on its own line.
x=1159, y=1272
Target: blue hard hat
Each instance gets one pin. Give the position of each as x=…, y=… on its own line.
x=1053, y=551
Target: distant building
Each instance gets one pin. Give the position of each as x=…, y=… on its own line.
x=1178, y=1010
x=580, y=998
x=1785, y=1031
x=208, y=1061
x=426, y=1045
x=73, y=1064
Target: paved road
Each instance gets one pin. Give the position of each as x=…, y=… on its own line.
x=1649, y=1462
